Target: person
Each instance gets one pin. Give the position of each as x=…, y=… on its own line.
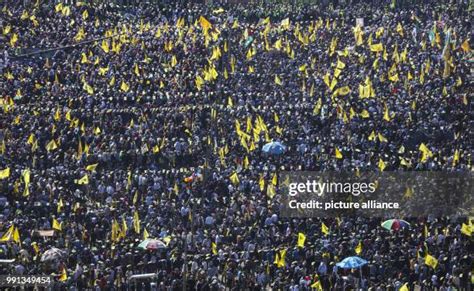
x=122, y=124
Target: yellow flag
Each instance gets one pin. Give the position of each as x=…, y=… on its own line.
x=277, y=80
x=68, y=115
x=175, y=189
x=466, y=230
x=324, y=229
x=13, y=39
x=16, y=236
x=136, y=222
x=301, y=240
x=214, y=248
x=82, y=181
x=381, y=165
x=26, y=178
x=358, y=34
x=317, y=286
x=5, y=173
x=234, y=178
x=271, y=192
x=431, y=261
x=278, y=44
x=404, y=287
x=180, y=22
x=97, y=130
x=340, y=65
x=135, y=197
x=465, y=46
x=422, y=76
x=123, y=231
x=34, y=146
x=246, y=163
x=136, y=70
x=92, y=167
x=399, y=29
x=205, y=24
x=80, y=35
x=86, y=149
x=58, y=7
x=167, y=240
x=115, y=231
x=216, y=53
x=60, y=205
x=365, y=114
x=332, y=46
x=51, y=145
x=261, y=183
x=275, y=179
x=401, y=150
x=386, y=115
x=105, y=46
x=35, y=247
x=338, y=154
x=199, y=82
x=145, y=234
x=76, y=206
x=382, y=138
x=249, y=54
x=8, y=235
x=124, y=86
x=285, y=23
x=63, y=276
x=425, y=152
x=9, y=76
x=317, y=107
x=7, y=29
x=358, y=248
x=174, y=61
x=376, y=47
x=280, y=259
x=342, y=91
x=88, y=88
x=57, y=115
x=56, y=225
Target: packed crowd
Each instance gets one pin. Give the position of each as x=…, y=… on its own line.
x=125, y=124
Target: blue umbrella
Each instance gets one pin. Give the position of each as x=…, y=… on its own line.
x=351, y=263
x=274, y=148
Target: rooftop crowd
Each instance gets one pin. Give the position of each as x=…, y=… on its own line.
x=120, y=124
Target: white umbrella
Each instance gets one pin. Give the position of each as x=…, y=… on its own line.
x=52, y=254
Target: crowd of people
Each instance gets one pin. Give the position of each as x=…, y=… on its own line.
x=126, y=124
